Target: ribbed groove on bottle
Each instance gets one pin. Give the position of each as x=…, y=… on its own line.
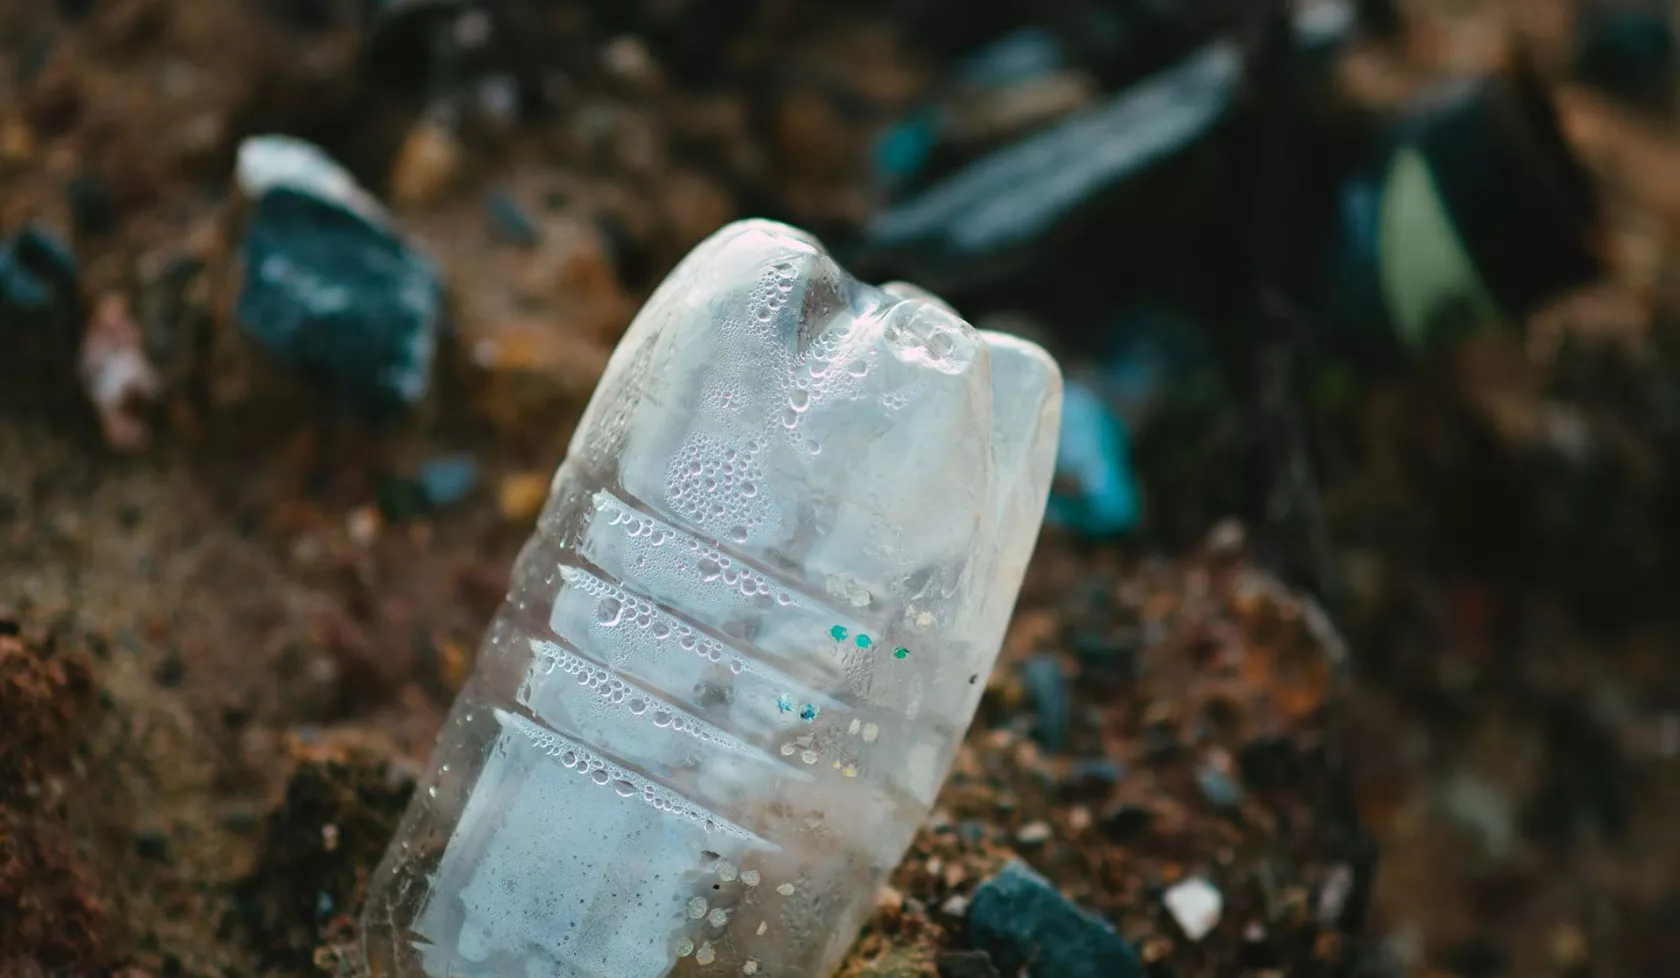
x=798, y=592
x=707, y=643
x=644, y=704
x=604, y=770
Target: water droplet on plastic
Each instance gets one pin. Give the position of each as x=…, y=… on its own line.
x=609, y=612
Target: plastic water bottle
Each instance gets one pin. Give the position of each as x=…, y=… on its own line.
x=741, y=649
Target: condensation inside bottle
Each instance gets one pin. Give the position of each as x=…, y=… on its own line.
x=739, y=652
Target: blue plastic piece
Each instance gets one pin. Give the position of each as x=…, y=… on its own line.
x=1093, y=463
x=448, y=480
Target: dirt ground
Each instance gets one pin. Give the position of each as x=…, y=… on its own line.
x=224, y=655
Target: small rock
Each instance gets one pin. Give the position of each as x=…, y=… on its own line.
x=520, y=496
x=1127, y=822
x=448, y=480
x=17, y=141
x=509, y=221
x=1227, y=538
x=1482, y=810
x=1218, y=787
x=426, y=165
x=1333, y=895
x=967, y=964
x=889, y=903
x=1092, y=777
x=170, y=672
x=118, y=378
x=1043, y=677
x=152, y=844
x=1196, y=904
x=340, y=298
x=627, y=59
x=1034, y=833
x=92, y=210
x=1030, y=929
x=38, y=272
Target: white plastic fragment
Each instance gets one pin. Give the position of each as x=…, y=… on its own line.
x=1196, y=904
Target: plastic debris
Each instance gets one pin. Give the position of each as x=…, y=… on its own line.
x=118, y=378
x=1018, y=82
x=986, y=214
x=332, y=290
x=1196, y=904
x=1030, y=929
x=1481, y=213
x=723, y=449
x=1096, y=489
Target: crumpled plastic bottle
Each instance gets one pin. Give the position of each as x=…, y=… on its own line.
x=741, y=649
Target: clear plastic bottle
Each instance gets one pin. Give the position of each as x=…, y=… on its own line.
x=743, y=645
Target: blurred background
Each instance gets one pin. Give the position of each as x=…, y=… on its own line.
x=1348, y=648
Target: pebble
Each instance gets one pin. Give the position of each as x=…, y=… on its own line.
x=1048, y=689
x=118, y=379
x=341, y=299
x=1093, y=777
x=1027, y=926
x=519, y=497
x=152, y=844
x=1034, y=833
x=427, y=164
x=38, y=272
x=1218, y=787
x=967, y=964
x=509, y=220
x=1196, y=904
x=1127, y=822
x=889, y=902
